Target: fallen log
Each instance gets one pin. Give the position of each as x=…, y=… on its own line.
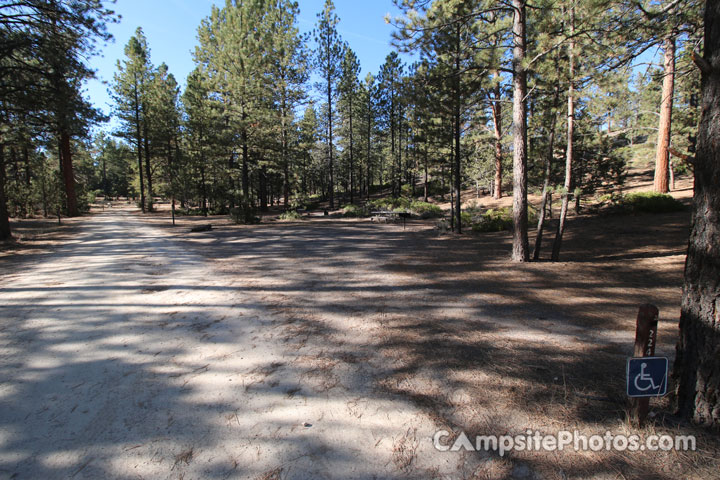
x=201, y=228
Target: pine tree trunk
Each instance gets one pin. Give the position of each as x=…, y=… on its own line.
x=352, y=166
x=263, y=190
x=5, y=232
x=138, y=139
x=458, y=179
x=26, y=159
x=368, y=182
x=399, y=171
x=425, y=180
x=104, y=177
x=548, y=169
x=497, y=127
x=569, y=153
x=520, y=252
x=148, y=170
x=68, y=175
x=245, y=165
x=203, y=185
x=392, y=138
x=662, y=155
x=285, y=161
x=697, y=365
x=331, y=191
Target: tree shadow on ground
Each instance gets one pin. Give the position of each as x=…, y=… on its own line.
x=363, y=313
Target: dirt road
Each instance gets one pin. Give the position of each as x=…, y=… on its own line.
x=124, y=355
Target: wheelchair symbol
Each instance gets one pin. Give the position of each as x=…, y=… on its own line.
x=646, y=379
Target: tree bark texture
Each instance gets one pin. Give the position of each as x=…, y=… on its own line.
x=697, y=364
x=520, y=251
x=662, y=155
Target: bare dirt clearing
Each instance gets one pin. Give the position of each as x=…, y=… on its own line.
x=329, y=349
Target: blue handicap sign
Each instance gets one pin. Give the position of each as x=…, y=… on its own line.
x=647, y=376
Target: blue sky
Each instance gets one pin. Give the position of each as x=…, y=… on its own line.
x=171, y=26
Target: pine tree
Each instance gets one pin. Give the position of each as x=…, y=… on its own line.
x=448, y=33
x=520, y=252
x=308, y=138
x=201, y=121
x=328, y=58
x=368, y=116
x=348, y=104
x=697, y=364
x=43, y=63
x=163, y=119
x=389, y=81
x=289, y=73
x=130, y=93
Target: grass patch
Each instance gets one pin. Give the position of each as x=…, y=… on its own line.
x=640, y=202
x=651, y=202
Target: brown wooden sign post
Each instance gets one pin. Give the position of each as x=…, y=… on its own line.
x=645, y=339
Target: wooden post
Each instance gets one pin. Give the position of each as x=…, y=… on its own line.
x=645, y=339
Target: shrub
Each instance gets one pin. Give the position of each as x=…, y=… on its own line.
x=406, y=190
x=85, y=199
x=494, y=220
x=188, y=211
x=219, y=210
x=305, y=202
x=394, y=204
x=355, y=211
x=244, y=214
x=650, y=202
x=425, y=210
x=290, y=215
x=499, y=219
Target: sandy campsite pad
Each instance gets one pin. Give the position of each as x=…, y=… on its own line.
x=132, y=358
x=325, y=349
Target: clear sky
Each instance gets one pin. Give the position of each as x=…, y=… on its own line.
x=171, y=28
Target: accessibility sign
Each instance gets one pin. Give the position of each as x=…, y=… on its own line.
x=647, y=376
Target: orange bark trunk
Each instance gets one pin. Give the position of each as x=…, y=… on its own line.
x=662, y=154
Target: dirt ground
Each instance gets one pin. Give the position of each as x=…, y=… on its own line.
x=328, y=348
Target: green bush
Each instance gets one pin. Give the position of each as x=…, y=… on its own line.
x=305, y=202
x=425, y=210
x=394, y=204
x=406, y=190
x=219, y=210
x=650, y=202
x=355, y=211
x=290, y=215
x=418, y=208
x=246, y=214
x=188, y=211
x=499, y=219
x=85, y=199
x=494, y=220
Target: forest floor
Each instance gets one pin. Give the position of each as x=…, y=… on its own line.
x=328, y=348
